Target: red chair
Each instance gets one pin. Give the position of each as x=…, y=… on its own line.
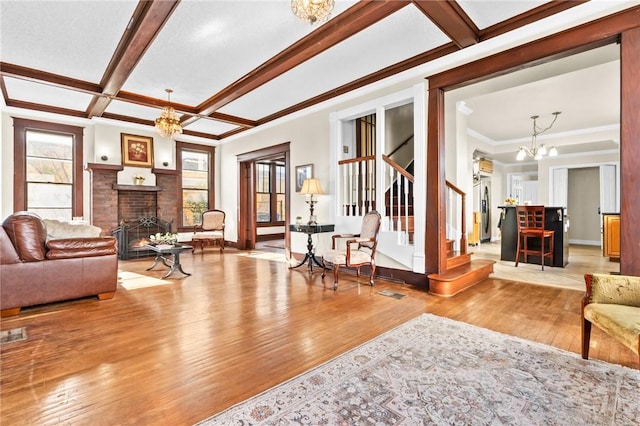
x=530, y=221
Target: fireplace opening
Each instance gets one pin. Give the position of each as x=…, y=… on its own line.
x=132, y=235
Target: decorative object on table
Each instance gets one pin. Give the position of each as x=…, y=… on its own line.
x=168, y=238
x=302, y=173
x=511, y=201
x=359, y=249
x=298, y=220
x=434, y=370
x=311, y=187
x=536, y=152
x=312, y=11
x=137, y=150
x=138, y=180
x=168, y=124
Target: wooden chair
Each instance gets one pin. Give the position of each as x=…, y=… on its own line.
x=210, y=231
x=612, y=303
x=530, y=220
x=359, y=249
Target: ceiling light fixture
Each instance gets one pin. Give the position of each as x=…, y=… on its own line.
x=536, y=152
x=168, y=124
x=312, y=11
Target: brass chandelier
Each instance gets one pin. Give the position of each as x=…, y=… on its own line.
x=168, y=124
x=536, y=152
x=312, y=11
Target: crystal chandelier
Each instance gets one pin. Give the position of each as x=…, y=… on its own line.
x=313, y=11
x=536, y=152
x=168, y=124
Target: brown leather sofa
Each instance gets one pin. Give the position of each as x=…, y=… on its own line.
x=34, y=270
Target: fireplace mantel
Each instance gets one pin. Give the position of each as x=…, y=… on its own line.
x=145, y=188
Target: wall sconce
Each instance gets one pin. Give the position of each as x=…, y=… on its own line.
x=104, y=157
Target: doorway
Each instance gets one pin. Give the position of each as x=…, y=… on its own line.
x=247, y=214
x=583, y=206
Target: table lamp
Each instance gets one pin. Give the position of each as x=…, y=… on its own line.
x=311, y=187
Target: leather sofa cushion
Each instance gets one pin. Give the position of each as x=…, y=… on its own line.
x=28, y=234
x=8, y=254
x=67, y=248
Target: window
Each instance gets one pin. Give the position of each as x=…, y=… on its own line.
x=196, y=184
x=270, y=193
x=48, y=169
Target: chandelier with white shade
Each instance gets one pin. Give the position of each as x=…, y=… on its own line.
x=312, y=11
x=168, y=124
x=537, y=152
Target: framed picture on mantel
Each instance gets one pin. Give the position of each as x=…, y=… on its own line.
x=137, y=151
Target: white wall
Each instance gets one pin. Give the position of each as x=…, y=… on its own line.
x=100, y=139
x=309, y=144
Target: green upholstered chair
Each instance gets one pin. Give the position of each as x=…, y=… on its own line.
x=612, y=303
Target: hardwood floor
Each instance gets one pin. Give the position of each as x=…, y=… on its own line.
x=179, y=351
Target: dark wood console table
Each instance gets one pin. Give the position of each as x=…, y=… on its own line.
x=310, y=230
x=555, y=219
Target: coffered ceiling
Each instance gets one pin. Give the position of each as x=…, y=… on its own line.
x=233, y=65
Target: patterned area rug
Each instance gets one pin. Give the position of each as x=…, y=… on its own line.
x=436, y=371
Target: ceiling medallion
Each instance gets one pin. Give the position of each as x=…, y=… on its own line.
x=168, y=124
x=312, y=11
x=536, y=152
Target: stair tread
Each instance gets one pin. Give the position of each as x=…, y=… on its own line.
x=462, y=270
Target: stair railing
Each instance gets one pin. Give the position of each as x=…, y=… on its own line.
x=400, y=190
x=357, y=185
x=456, y=206
x=357, y=193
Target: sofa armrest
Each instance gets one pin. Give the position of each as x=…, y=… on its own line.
x=612, y=289
x=67, y=248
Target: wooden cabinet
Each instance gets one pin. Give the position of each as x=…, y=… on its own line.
x=611, y=235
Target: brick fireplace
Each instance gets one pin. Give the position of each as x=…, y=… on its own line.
x=114, y=206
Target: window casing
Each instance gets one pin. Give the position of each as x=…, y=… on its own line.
x=48, y=169
x=270, y=193
x=196, y=196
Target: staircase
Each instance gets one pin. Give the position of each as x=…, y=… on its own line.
x=461, y=272
x=399, y=198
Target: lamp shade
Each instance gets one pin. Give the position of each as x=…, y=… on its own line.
x=311, y=187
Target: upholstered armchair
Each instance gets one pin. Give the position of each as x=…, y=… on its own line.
x=612, y=303
x=211, y=230
x=358, y=250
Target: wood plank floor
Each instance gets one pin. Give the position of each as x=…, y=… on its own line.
x=176, y=353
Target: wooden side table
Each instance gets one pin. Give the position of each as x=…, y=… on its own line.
x=162, y=251
x=310, y=257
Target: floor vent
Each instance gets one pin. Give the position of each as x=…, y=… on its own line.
x=15, y=335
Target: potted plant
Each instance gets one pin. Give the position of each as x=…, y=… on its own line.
x=298, y=220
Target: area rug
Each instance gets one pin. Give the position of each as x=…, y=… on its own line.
x=436, y=371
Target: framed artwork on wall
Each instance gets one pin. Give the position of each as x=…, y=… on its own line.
x=302, y=173
x=137, y=151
